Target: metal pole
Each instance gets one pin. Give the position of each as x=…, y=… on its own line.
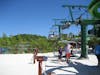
x=59, y=27
x=84, y=51
x=40, y=59
x=40, y=68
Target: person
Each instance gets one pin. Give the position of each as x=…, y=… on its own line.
x=60, y=53
x=35, y=54
x=68, y=52
x=72, y=52
x=97, y=52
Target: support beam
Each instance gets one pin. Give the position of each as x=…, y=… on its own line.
x=59, y=31
x=84, y=51
x=59, y=27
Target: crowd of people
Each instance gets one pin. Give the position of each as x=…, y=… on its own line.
x=68, y=49
x=68, y=52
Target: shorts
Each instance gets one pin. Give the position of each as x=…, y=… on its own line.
x=68, y=55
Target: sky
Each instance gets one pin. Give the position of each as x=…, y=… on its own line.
x=34, y=16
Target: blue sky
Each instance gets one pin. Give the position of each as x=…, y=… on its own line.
x=34, y=16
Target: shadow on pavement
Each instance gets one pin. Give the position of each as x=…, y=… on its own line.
x=85, y=69
x=60, y=68
x=81, y=68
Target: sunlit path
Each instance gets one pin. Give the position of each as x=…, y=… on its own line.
x=22, y=64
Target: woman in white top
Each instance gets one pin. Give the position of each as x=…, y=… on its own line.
x=68, y=52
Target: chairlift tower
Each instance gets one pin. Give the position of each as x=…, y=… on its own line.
x=83, y=29
x=93, y=7
x=59, y=27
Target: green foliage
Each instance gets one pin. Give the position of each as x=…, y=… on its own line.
x=25, y=43
x=93, y=41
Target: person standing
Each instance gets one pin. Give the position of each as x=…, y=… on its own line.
x=68, y=52
x=97, y=52
x=35, y=54
x=60, y=53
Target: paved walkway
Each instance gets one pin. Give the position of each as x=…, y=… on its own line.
x=22, y=64
x=75, y=67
